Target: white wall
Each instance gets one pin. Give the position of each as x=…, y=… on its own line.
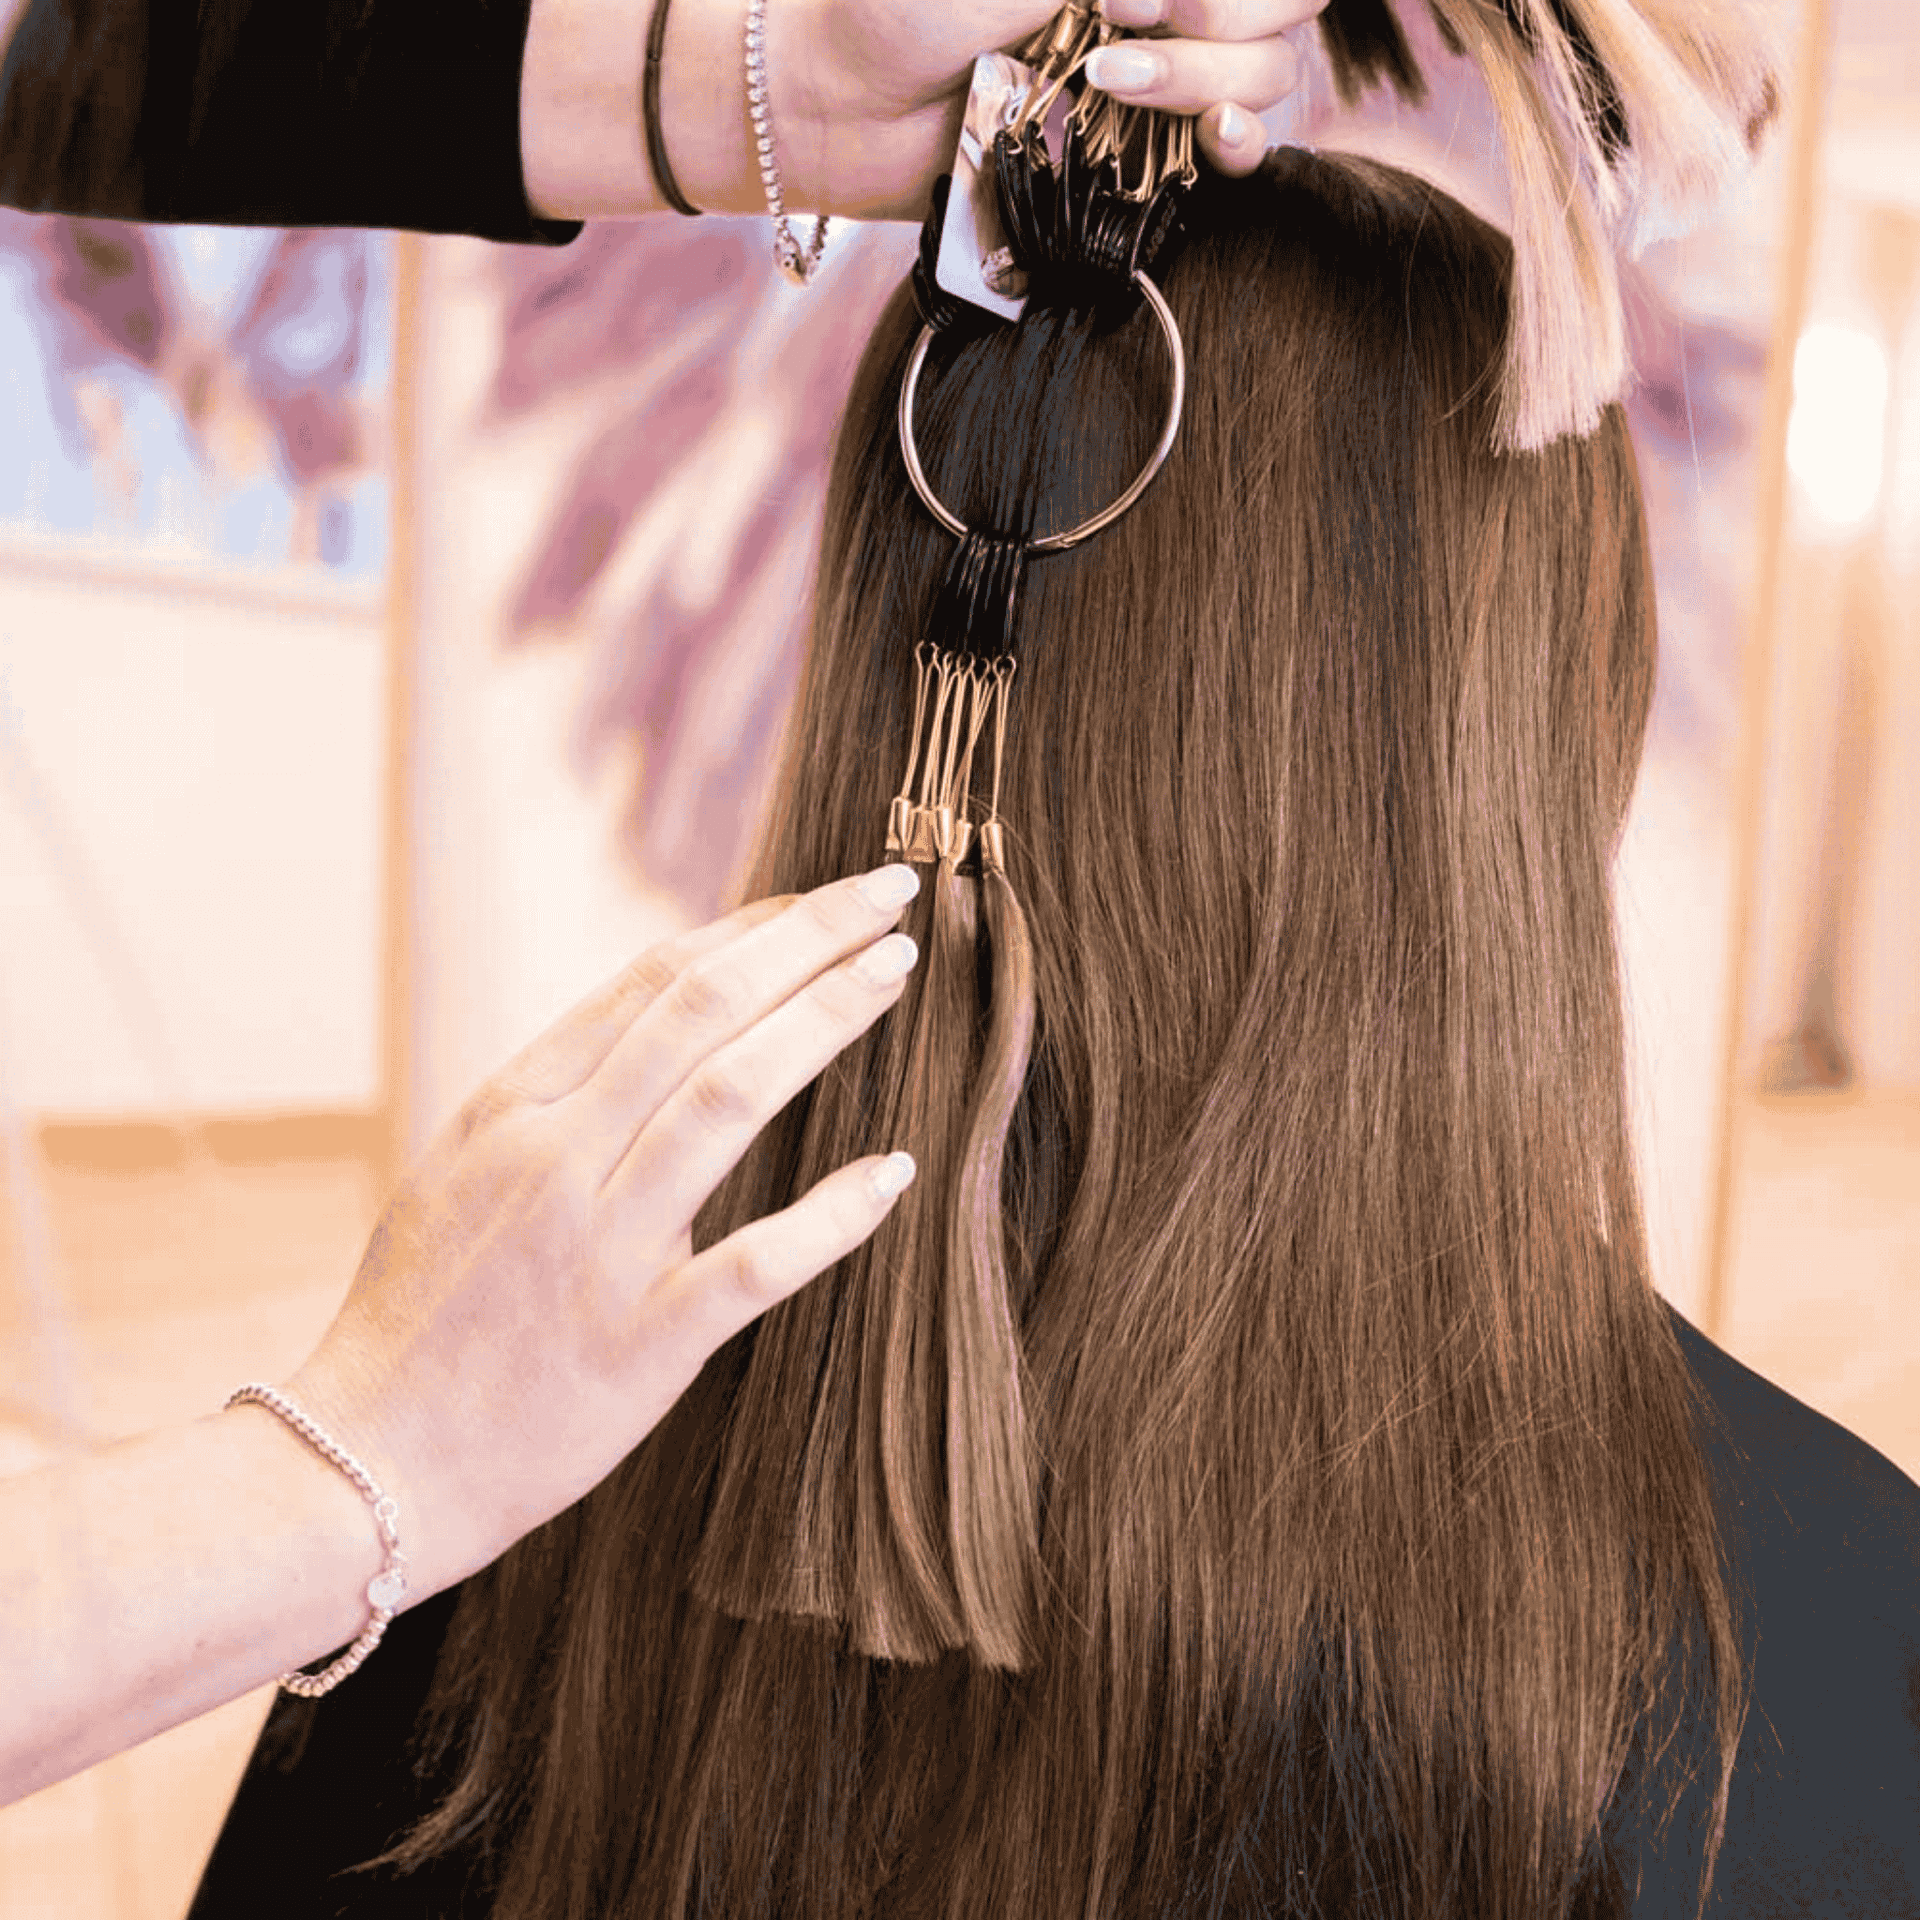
x=1847, y=599
x=521, y=905
x=190, y=782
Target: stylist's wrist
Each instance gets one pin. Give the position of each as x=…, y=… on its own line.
x=703, y=105
x=866, y=96
x=583, y=147
x=842, y=145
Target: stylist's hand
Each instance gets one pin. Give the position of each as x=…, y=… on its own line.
x=888, y=80
x=529, y=1306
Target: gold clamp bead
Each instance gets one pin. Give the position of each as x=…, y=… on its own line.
x=899, y=824
x=900, y=816
x=923, y=842
x=993, y=849
x=935, y=826
x=959, y=782
x=943, y=834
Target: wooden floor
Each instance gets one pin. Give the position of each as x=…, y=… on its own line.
x=186, y=1282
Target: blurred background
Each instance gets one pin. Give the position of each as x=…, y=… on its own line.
x=394, y=634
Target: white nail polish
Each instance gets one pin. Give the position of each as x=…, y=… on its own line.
x=887, y=960
x=893, y=1175
x=1122, y=69
x=888, y=887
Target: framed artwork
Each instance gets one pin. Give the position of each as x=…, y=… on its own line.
x=208, y=394
x=196, y=490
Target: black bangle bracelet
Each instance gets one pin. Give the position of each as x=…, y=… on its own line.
x=650, y=112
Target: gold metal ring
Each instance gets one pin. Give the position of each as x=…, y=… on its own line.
x=1053, y=542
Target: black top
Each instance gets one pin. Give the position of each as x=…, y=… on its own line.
x=1824, y=1819
x=276, y=113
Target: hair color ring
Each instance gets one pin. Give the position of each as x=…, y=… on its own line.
x=1053, y=542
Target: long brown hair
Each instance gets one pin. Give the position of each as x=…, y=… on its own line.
x=1251, y=1470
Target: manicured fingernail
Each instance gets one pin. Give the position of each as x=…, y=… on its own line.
x=888, y=887
x=1123, y=69
x=887, y=960
x=1133, y=13
x=1234, y=127
x=893, y=1175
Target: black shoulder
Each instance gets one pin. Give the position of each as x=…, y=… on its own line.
x=1797, y=1478
x=1823, y=1536
x=332, y=1782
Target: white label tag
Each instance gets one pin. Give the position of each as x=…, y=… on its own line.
x=971, y=236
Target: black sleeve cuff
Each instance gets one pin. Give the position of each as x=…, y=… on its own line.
x=331, y=113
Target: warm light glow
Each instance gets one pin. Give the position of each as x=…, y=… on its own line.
x=1836, y=439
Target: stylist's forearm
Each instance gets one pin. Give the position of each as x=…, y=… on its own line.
x=153, y=1581
x=841, y=148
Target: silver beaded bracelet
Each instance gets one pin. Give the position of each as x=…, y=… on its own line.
x=797, y=266
x=388, y=1587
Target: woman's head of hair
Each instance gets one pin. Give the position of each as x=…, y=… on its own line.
x=1337, y=461
x=1264, y=1372
x=1315, y=763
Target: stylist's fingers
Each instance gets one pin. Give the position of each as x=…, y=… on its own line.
x=1188, y=76
x=520, y=1321
x=1224, y=60
x=705, y=1301
x=562, y=1058
x=1232, y=139
x=741, y=1031
x=1211, y=19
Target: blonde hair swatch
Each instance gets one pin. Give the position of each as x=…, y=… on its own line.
x=1615, y=117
